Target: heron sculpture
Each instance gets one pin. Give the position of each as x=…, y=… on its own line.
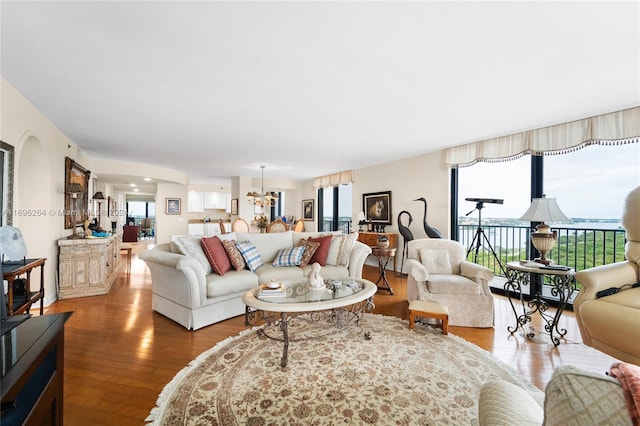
x=429, y=230
x=406, y=233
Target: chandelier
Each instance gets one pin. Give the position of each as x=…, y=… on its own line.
x=262, y=199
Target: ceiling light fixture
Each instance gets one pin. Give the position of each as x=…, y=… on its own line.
x=262, y=199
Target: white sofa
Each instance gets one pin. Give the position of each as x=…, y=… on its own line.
x=184, y=292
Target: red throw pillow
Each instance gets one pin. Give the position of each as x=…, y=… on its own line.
x=321, y=253
x=216, y=254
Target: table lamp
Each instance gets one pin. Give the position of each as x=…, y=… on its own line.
x=544, y=210
x=361, y=221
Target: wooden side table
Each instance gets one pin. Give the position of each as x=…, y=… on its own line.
x=371, y=239
x=384, y=256
x=11, y=271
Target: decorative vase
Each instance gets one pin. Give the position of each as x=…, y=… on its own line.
x=383, y=242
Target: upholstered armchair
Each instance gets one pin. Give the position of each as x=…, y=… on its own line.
x=438, y=271
x=611, y=323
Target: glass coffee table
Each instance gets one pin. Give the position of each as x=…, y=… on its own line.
x=339, y=304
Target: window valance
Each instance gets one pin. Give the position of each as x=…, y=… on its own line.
x=333, y=180
x=615, y=128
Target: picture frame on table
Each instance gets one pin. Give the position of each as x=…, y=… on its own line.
x=173, y=205
x=308, y=209
x=377, y=207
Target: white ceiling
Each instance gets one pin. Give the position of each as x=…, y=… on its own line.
x=313, y=88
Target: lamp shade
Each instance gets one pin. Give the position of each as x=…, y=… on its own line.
x=75, y=188
x=544, y=210
x=361, y=217
x=98, y=196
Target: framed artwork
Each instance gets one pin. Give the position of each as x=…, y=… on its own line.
x=173, y=206
x=307, y=209
x=75, y=173
x=377, y=207
x=234, y=206
x=108, y=205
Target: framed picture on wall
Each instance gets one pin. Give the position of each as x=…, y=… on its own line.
x=78, y=202
x=307, y=209
x=173, y=205
x=377, y=207
x=234, y=206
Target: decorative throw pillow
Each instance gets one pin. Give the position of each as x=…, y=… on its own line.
x=288, y=257
x=309, y=249
x=436, y=261
x=250, y=254
x=235, y=257
x=217, y=255
x=321, y=253
x=190, y=246
x=340, y=249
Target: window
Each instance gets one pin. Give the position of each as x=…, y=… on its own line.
x=335, y=208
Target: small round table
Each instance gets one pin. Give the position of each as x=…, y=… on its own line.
x=384, y=255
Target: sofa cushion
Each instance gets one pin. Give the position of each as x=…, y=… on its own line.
x=503, y=403
x=233, y=282
x=600, y=402
x=216, y=254
x=340, y=249
x=189, y=245
x=268, y=244
x=436, y=261
x=320, y=256
x=268, y=272
x=250, y=254
x=328, y=271
x=309, y=249
x=452, y=284
x=235, y=257
x=289, y=256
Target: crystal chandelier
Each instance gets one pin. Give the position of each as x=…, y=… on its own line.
x=262, y=199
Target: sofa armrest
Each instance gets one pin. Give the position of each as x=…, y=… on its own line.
x=357, y=258
x=473, y=270
x=503, y=403
x=603, y=277
x=176, y=277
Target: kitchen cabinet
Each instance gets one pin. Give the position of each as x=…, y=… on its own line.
x=195, y=202
x=215, y=200
x=195, y=229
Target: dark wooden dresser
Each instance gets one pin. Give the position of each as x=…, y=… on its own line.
x=33, y=371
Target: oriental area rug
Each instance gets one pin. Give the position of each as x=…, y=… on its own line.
x=398, y=377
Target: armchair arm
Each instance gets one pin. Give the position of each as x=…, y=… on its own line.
x=603, y=277
x=473, y=270
x=417, y=270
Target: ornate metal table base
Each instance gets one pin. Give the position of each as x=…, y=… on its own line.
x=339, y=318
x=562, y=288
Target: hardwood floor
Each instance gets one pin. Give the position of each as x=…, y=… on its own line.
x=119, y=354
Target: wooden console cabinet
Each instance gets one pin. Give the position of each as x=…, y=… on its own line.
x=33, y=371
x=88, y=266
x=371, y=239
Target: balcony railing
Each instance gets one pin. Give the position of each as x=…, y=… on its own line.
x=579, y=248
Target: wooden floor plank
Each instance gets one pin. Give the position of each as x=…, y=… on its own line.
x=120, y=355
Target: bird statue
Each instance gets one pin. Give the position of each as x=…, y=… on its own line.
x=406, y=233
x=430, y=231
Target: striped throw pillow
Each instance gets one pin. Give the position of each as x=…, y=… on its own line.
x=250, y=254
x=288, y=257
